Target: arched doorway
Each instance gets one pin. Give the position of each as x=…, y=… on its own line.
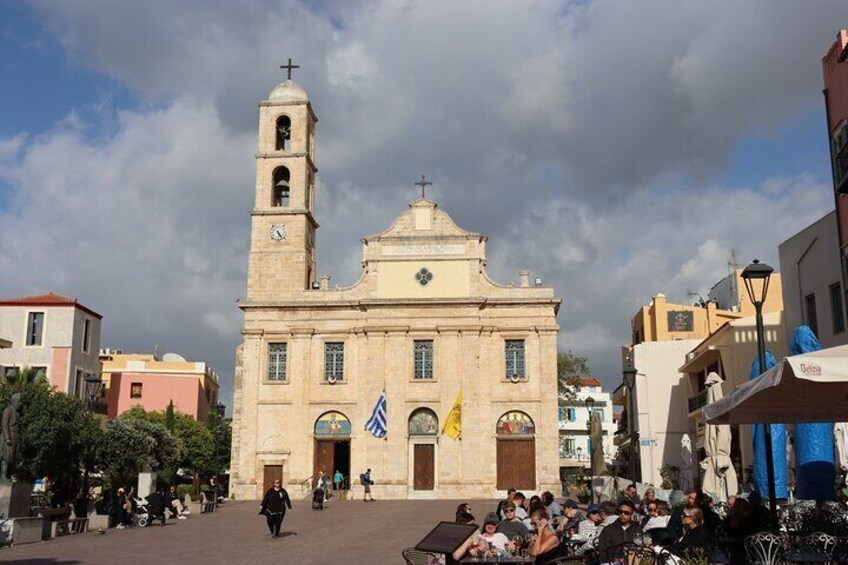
x=332, y=445
x=423, y=430
x=516, y=451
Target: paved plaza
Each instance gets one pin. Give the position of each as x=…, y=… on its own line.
x=350, y=532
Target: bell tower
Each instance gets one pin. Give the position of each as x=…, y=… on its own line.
x=282, y=243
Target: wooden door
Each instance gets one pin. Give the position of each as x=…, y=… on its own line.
x=516, y=464
x=324, y=460
x=424, y=467
x=272, y=472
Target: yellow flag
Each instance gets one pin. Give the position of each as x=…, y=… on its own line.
x=453, y=423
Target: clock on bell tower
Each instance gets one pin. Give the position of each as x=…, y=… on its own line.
x=282, y=243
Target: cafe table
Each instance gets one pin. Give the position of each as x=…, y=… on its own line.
x=501, y=559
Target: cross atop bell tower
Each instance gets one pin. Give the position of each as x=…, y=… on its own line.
x=423, y=183
x=282, y=250
x=289, y=68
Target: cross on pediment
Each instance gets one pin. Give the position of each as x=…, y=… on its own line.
x=423, y=183
x=289, y=68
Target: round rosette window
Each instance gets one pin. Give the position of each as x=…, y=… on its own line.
x=423, y=276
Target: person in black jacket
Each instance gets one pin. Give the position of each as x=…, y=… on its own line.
x=622, y=530
x=274, y=506
x=696, y=538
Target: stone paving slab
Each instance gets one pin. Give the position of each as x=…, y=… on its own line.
x=349, y=532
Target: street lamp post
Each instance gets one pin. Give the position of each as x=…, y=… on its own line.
x=756, y=277
x=220, y=410
x=93, y=386
x=629, y=374
x=590, y=402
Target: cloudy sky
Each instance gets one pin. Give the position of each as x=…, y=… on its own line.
x=617, y=149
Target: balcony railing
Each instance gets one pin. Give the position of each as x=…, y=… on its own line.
x=698, y=401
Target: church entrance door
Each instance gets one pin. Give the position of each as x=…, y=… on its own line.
x=272, y=473
x=424, y=466
x=516, y=464
x=332, y=445
x=516, y=451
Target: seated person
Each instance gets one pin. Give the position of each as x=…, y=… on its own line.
x=551, y=505
x=610, y=510
x=696, y=539
x=623, y=530
x=520, y=511
x=590, y=527
x=571, y=518
x=173, y=503
x=545, y=545
x=657, y=523
x=490, y=538
x=511, y=526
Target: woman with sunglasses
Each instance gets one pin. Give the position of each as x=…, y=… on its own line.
x=695, y=539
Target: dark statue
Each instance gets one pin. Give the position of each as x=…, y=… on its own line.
x=10, y=428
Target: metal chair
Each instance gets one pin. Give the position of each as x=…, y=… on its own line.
x=764, y=549
x=632, y=554
x=820, y=542
x=414, y=556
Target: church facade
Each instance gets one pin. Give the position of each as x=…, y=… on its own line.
x=424, y=323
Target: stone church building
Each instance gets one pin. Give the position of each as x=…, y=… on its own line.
x=424, y=322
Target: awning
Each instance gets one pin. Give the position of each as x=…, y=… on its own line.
x=812, y=387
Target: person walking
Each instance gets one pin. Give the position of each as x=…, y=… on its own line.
x=338, y=479
x=365, y=479
x=274, y=506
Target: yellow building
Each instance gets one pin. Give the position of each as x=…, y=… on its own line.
x=727, y=301
x=423, y=323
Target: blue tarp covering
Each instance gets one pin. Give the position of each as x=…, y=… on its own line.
x=778, y=446
x=813, y=442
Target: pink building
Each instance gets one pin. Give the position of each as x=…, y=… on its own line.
x=835, y=71
x=151, y=383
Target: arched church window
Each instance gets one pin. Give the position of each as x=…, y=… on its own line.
x=423, y=422
x=283, y=130
x=515, y=423
x=332, y=424
x=282, y=189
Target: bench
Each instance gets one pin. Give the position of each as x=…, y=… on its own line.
x=67, y=527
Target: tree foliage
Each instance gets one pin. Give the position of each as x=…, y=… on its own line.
x=570, y=368
x=59, y=437
x=224, y=430
x=132, y=445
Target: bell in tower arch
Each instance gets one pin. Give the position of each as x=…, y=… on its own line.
x=282, y=188
x=283, y=133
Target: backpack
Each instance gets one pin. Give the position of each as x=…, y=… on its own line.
x=362, y=479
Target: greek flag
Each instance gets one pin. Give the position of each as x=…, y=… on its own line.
x=377, y=423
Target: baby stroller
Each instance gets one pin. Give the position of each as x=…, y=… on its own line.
x=318, y=499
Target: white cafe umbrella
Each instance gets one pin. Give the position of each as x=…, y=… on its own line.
x=686, y=482
x=840, y=433
x=719, y=474
x=811, y=387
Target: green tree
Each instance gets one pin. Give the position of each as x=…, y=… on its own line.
x=169, y=416
x=58, y=437
x=223, y=428
x=132, y=445
x=570, y=368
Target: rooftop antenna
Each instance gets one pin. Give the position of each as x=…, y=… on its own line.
x=732, y=266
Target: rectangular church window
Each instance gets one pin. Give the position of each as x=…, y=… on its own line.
x=423, y=359
x=277, y=353
x=514, y=351
x=333, y=361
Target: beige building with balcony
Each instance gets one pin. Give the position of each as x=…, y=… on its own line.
x=423, y=323
x=729, y=352
x=52, y=335
x=674, y=347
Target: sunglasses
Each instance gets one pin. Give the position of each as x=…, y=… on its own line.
x=509, y=510
x=625, y=512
